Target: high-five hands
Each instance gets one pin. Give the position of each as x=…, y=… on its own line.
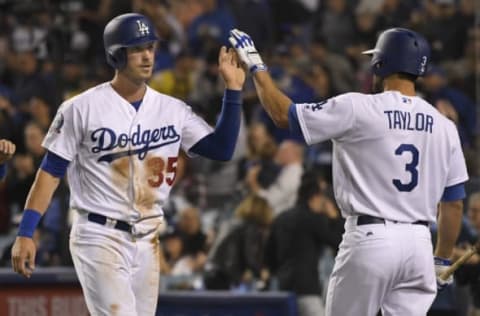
x=246, y=51
x=230, y=69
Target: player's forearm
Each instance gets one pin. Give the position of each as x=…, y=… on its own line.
x=275, y=102
x=41, y=191
x=220, y=145
x=449, y=225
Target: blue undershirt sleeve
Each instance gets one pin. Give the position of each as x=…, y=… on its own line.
x=54, y=164
x=454, y=192
x=3, y=170
x=220, y=144
x=293, y=123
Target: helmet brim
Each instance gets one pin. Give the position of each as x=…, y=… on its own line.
x=370, y=51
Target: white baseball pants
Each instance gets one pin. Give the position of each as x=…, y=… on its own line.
x=382, y=266
x=119, y=274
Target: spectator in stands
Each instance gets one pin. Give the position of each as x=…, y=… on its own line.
x=7, y=114
x=293, y=17
x=208, y=89
x=342, y=73
x=444, y=30
x=237, y=254
x=335, y=24
x=210, y=29
x=261, y=152
x=255, y=18
x=193, y=238
x=173, y=254
x=451, y=102
x=282, y=193
x=178, y=81
x=40, y=111
x=71, y=75
x=318, y=78
x=29, y=81
x=469, y=273
x=20, y=180
x=367, y=26
x=463, y=72
x=296, y=239
x=395, y=13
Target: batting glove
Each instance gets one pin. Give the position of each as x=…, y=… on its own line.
x=441, y=265
x=245, y=48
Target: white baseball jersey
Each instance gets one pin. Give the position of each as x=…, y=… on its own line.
x=122, y=162
x=393, y=155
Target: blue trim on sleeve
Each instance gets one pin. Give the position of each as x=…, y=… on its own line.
x=220, y=144
x=293, y=123
x=454, y=192
x=3, y=170
x=54, y=164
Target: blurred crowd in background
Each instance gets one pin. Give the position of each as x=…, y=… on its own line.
x=269, y=214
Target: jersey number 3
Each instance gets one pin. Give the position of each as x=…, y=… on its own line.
x=410, y=167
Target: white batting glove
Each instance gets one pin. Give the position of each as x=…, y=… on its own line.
x=245, y=48
x=441, y=265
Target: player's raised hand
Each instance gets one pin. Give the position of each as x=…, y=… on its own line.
x=245, y=48
x=231, y=69
x=7, y=149
x=23, y=256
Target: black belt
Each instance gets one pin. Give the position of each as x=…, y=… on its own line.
x=102, y=220
x=367, y=219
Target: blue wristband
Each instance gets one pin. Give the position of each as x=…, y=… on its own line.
x=442, y=261
x=29, y=222
x=258, y=67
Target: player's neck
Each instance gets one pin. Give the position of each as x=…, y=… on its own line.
x=394, y=83
x=130, y=90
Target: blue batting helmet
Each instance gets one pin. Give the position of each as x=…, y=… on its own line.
x=399, y=50
x=126, y=30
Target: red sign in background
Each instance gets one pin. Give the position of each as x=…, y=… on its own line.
x=42, y=301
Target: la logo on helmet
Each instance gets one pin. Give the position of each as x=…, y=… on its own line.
x=142, y=28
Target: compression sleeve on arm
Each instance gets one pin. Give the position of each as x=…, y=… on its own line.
x=294, y=124
x=454, y=192
x=220, y=144
x=54, y=164
x=3, y=170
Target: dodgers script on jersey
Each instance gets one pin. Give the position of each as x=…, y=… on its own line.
x=397, y=146
x=122, y=162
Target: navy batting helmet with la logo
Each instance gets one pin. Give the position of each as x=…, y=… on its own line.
x=126, y=30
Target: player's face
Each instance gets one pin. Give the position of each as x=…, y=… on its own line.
x=140, y=60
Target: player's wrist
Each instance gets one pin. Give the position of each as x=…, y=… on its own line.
x=232, y=96
x=258, y=67
x=29, y=223
x=233, y=86
x=442, y=261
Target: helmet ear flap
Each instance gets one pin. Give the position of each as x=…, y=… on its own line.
x=117, y=58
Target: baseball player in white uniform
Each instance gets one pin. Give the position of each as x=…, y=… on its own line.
x=120, y=141
x=396, y=161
